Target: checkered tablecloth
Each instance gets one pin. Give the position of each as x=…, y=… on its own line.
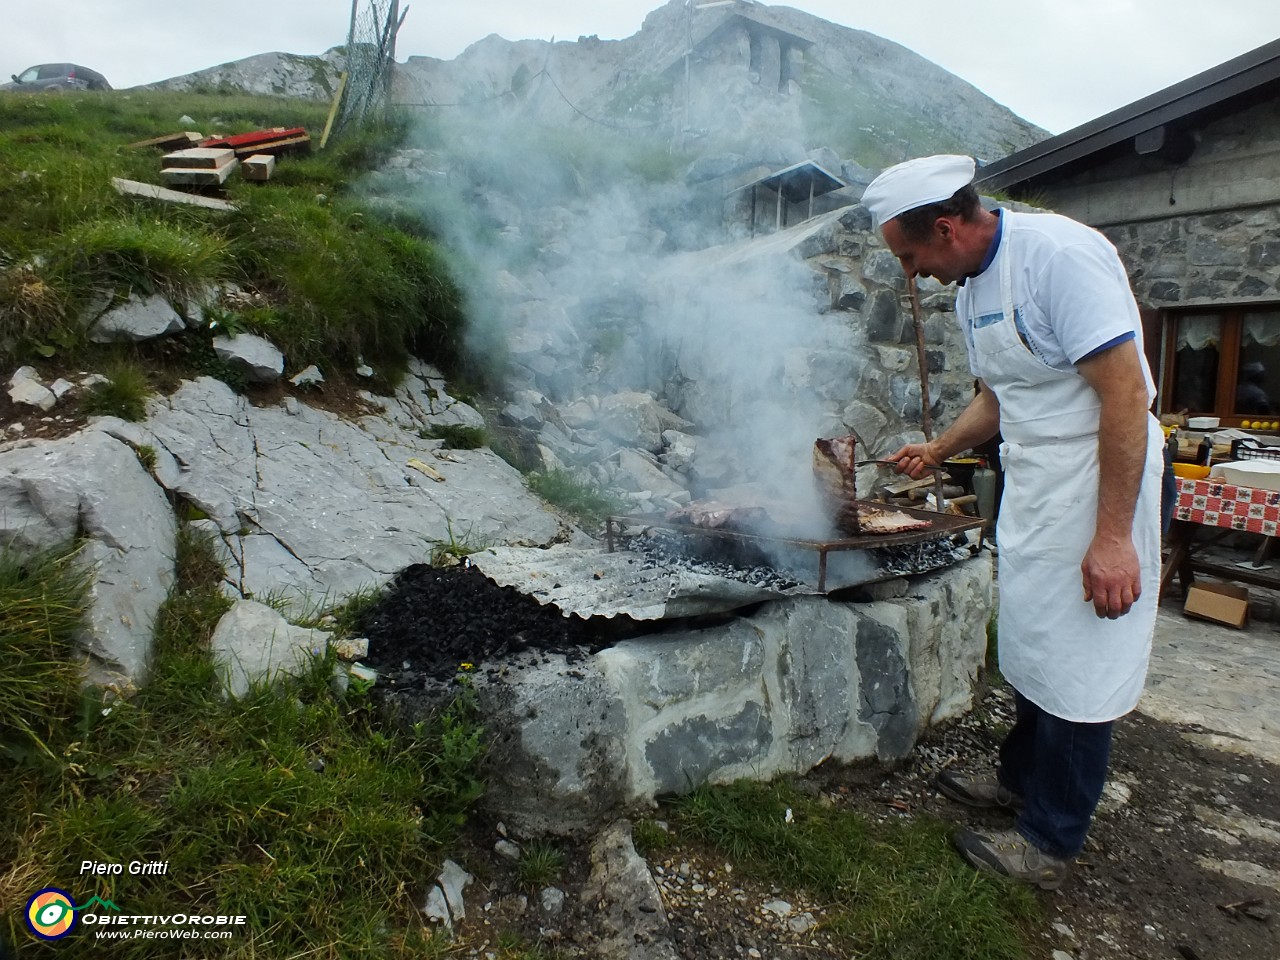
x=1217, y=504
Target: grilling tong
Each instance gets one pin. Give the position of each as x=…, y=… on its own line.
x=892, y=463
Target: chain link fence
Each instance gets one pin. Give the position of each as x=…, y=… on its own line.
x=371, y=53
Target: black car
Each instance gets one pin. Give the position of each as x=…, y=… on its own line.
x=57, y=76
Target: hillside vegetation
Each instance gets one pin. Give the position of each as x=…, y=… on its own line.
x=68, y=239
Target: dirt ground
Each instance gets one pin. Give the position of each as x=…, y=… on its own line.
x=1154, y=882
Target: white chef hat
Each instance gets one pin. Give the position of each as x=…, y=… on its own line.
x=915, y=183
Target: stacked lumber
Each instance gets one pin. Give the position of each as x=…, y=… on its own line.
x=172, y=141
x=199, y=166
x=275, y=141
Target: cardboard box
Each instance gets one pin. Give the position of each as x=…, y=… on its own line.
x=1220, y=602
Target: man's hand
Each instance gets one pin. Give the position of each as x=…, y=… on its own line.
x=1112, y=576
x=915, y=458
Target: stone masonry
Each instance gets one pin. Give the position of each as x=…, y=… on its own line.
x=800, y=682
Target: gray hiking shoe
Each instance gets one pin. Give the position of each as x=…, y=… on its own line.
x=983, y=792
x=1009, y=853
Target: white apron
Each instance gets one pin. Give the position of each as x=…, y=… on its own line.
x=1054, y=649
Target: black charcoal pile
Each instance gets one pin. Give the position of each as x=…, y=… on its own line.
x=433, y=620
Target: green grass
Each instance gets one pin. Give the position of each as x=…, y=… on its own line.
x=67, y=238
x=892, y=888
x=585, y=500
x=457, y=436
x=123, y=394
x=541, y=864
x=43, y=598
x=446, y=553
x=300, y=810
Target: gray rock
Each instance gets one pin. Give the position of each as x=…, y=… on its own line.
x=453, y=880
x=638, y=471
x=507, y=849
x=23, y=375
x=317, y=507
x=681, y=451
x=92, y=485
x=253, y=644
x=308, y=377
x=436, y=907
x=637, y=419
x=29, y=393
x=256, y=356
x=60, y=388
x=632, y=923
x=137, y=319
x=551, y=900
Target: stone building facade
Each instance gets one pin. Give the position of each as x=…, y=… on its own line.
x=1186, y=184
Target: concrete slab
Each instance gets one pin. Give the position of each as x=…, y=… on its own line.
x=1220, y=680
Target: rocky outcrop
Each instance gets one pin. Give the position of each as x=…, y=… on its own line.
x=92, y=487
x=754, y=72
x=307, y=508
x=267, y=74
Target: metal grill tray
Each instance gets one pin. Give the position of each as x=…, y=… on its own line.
x=943, y=525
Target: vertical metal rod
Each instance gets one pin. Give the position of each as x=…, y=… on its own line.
x=822, y=570
x=926, y=416
x=608, y=534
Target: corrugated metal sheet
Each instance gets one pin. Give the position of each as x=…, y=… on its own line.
x=593, y=583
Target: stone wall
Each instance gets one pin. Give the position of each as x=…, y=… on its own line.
x=797, y=683
x=1201, y=232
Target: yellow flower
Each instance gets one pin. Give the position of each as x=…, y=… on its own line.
x=468, y=666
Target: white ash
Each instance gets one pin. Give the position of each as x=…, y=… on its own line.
x=664, y=549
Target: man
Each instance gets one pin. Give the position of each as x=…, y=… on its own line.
x=1055, y=339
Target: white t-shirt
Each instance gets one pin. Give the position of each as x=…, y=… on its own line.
x=1071, y=294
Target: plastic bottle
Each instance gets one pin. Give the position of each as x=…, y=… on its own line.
x=1205, y=455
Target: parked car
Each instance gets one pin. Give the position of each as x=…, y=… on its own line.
x=57, y=76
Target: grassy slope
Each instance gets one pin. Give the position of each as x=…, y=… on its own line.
x=67, y=238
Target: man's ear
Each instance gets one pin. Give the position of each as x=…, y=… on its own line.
x=944, y=228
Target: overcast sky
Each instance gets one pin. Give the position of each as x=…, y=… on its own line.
x=1058, y=63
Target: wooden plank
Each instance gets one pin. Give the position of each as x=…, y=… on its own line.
x=333, y=109
x=199, y=158
x=171, y=141
x=258, y=167
x=276, y=146
x=239, y=140
x=152, y=192
x=192, y=176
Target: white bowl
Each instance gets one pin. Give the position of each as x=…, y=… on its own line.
x=1203, y=423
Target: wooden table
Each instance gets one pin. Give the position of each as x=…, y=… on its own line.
x=1223, y=506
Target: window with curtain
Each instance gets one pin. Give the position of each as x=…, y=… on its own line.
x=1223, y=363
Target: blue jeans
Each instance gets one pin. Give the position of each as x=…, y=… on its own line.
x=1058, y=767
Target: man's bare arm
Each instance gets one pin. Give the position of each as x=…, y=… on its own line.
x=1110, y=569
x=977, y=423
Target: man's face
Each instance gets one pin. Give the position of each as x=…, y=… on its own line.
x=939, y=256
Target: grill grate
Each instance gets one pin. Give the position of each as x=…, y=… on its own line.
x=943, y=525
